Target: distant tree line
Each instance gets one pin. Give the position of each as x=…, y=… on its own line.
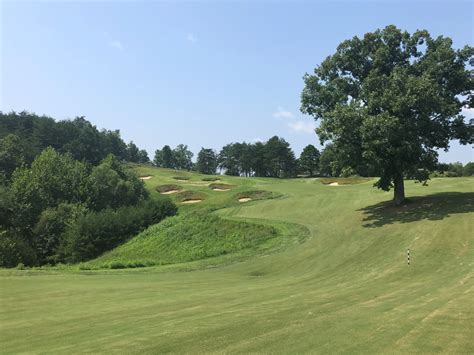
x=78, y=137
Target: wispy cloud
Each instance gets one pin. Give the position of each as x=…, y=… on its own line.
x=257, y=139
x=282, y=113
x=116, y=44
x=302, y=126
x=191, y=37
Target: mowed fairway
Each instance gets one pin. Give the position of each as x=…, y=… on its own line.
x=347, y=288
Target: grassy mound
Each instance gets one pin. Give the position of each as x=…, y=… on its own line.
x=185, y=238
x=345, y=181
x=220, y=186
x=190, y=196
x=167, y=188
x=210, y=179
x=256, y=195
x=184, y=178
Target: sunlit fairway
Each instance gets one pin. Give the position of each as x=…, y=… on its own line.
x=344, y=287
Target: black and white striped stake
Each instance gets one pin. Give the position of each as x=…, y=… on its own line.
x=408, y=257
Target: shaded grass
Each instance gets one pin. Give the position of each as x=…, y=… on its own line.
x=184, y=178
x=190, y=195
x=220, y=186
x=212, y=178
x=168, y=187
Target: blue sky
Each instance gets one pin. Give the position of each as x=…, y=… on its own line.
x=201, y=73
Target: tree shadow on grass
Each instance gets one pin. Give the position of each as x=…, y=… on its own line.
x=432, y=207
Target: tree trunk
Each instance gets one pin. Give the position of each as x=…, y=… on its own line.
x=399, y=190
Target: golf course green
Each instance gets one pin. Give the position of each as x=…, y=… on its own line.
x=333, y=278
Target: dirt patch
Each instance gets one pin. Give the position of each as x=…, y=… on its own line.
x=145, y=177
x=245, y=199
x=169, y=192
x=191, y=201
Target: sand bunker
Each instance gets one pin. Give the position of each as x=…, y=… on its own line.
x=192, y=201
x=334, y=184
x=219, y=189
x=245, y=199
x=145, y=177
x=169, y=192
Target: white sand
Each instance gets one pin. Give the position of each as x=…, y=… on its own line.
x=219, y=189
x=245, y=199
x=145, y=177
x=170, y=192
x=334, y=184
x=192, y=201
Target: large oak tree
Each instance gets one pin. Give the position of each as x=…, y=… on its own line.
x=391, y=99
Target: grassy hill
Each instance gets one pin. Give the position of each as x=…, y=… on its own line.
x=346, y=288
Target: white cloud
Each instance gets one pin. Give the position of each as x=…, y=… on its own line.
x=467, y=112
x=302, y=126
x=255, y=140
x=116, y=44
x=281, y=113
x=191, y=37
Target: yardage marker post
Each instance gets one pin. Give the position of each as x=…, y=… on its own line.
x=408, y=257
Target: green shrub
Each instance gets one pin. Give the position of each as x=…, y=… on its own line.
x=14, y=250
x=50, y=228
x=97, y=232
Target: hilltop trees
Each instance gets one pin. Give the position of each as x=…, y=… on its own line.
x=273, y=158
x=179, y=158
x=164, y=158
x=206, y=161
x=183, y=157
x=77, y=137
x=308, y=163
x=391, y=99
x=12, y=155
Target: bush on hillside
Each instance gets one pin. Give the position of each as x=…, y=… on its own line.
x=50, y=229
x=14, y=250
x=97, y=232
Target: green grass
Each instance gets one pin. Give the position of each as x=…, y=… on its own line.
x=345, y=289
x=186, y=238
